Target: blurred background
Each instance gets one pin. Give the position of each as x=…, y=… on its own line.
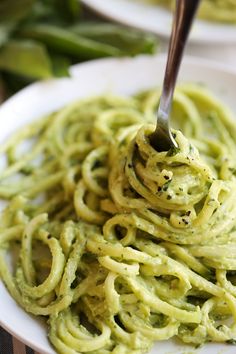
x=42, y=38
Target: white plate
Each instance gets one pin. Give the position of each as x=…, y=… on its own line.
x=120, y=76
x=158, y=20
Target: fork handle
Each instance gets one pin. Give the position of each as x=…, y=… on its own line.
x=184, y=14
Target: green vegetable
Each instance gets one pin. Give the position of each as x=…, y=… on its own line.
x=27, y=58
x=70, y=9
x=5, y=32
x=60, y=65
x=66, y=42
x=42, y=38
x=132, y=42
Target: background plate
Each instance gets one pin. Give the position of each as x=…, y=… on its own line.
x=158, y=20
x=120, y=76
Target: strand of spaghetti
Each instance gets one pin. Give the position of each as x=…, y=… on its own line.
x=161, y=306
x=56, y=270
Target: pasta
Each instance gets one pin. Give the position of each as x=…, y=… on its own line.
x=211, y=10
x=115, y=244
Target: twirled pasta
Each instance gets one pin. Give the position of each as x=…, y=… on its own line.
x=119, y=245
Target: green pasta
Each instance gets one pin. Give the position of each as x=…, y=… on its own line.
x=212, y=10
x=118, y=245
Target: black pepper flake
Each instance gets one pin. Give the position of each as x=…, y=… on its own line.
x=166, y=185
x=166, y=177
x=185, y=221
x=169, y=197
x=159, y=189
x=130, y=165
x=49, y=236
x=188, y=212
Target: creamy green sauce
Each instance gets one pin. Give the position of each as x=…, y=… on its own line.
x=212, y=10
x=119, y=245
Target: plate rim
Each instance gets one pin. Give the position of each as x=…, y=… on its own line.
x=196, y=39
x=189, y=59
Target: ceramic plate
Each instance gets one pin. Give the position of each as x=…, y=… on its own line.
x=120, y=76
x=153, y=18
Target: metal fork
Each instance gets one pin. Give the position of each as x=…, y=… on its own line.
x=161, y=139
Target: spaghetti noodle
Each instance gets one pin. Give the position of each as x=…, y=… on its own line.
x=119, y=245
